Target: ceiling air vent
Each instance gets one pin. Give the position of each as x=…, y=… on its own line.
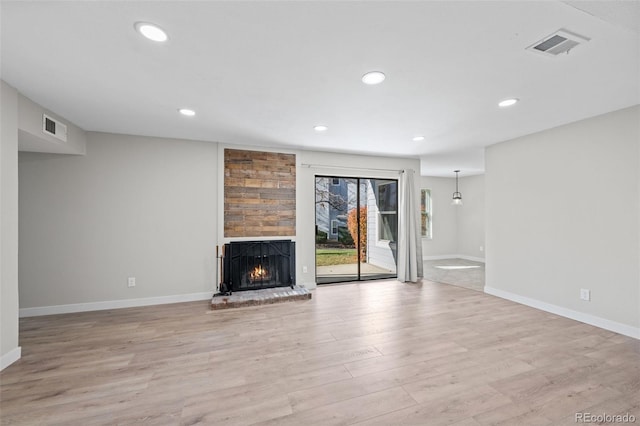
x=53, y=127
x=562, y=41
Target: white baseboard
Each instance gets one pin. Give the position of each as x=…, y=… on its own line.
x=472, y=258
x=614, y=326
x=440, y=257
x=113, y=304
x=311, y=285
x=454, y=256
x=10, y=357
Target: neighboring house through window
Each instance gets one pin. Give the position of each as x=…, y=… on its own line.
x=335, y=224
x=388, y=210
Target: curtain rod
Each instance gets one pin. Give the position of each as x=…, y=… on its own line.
x=350, y=168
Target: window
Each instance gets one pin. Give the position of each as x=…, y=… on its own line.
x=388, y=210
x=426, y=212
x=334, y=227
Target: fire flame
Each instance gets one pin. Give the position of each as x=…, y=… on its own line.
x=259, y=272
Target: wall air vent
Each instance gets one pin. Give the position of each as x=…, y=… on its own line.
x=562, y=41
x=53, y=127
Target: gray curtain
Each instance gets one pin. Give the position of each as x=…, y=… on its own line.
x=409, y=240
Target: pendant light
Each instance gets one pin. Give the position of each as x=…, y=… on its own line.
x=457, y=196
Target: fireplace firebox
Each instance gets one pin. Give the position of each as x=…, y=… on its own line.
x=252, y=265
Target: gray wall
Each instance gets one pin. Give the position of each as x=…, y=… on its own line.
x=8, y=223
x=470, y=218
x=131, y=207
x=562, y=214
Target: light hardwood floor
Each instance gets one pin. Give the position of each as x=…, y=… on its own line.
x=376, y=353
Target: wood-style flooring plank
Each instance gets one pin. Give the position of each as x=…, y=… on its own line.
x=373, y=353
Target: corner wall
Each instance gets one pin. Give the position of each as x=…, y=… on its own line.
x=562, y=215
x=9, y=349
x=131, y=207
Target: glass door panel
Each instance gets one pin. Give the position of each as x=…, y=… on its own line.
x=381, y=197
x=336, y=258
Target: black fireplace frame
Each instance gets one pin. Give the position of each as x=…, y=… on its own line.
x=240, y=256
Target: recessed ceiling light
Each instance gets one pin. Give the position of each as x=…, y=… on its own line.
x=508, y=102
x=320, y=128
x=418, y=138
x=373, y=77
x=187, y=112
x=151, y=31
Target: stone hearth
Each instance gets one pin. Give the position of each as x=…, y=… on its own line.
x=260, y=297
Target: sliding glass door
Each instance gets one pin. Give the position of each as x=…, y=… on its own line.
x=356, y=228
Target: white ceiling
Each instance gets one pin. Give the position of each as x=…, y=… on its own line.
x=264, y=73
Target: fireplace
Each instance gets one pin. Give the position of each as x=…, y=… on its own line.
x=252, y=265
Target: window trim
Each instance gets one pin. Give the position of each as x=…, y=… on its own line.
x=428, y=211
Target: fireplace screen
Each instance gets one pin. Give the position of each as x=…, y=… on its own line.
x=251, y=265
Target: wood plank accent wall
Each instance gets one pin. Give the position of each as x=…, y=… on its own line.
x=259, y=194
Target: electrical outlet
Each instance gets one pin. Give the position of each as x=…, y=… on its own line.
x=585, y=294
x=131, y=281
x=305, y=270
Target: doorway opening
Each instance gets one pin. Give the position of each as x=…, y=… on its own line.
x=356, y=228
